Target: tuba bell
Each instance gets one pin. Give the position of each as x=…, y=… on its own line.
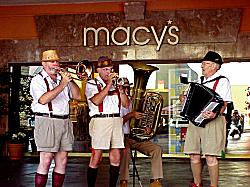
x=149, y=103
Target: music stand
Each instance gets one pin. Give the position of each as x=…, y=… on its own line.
x=135, y=171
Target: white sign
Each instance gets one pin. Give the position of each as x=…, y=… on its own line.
x=169, y=31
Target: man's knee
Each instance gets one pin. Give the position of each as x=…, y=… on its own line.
x=211, y=160
x=114, y=160
x=96, y=158
x=115, y=157
x=195, y=159
x=157, y=150
x=46, y=158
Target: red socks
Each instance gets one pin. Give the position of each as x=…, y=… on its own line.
x=57, y=179
x=40, y=180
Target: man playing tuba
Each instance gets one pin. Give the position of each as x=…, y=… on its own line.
x=146, y=147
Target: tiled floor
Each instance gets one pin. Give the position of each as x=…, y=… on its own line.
x=233, y=173
x=234, y=170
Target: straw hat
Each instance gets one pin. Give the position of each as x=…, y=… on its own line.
x=50, y=55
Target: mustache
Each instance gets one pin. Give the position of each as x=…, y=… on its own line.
x=55, y=70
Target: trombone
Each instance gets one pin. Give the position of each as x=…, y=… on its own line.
x=83, y=70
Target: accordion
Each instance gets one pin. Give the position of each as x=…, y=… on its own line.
x=200, y=99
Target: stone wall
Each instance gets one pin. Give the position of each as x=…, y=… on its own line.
x=199, y=31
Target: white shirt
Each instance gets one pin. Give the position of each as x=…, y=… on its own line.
x=110, y=102
x=124, y=111
x=223, y=88
x=60, y=104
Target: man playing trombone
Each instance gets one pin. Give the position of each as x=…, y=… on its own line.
x=52, y=90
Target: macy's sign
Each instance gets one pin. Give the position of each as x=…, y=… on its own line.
x=171, y=32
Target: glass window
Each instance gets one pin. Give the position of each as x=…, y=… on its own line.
x=166, y=81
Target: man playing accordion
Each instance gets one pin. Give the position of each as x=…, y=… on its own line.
x=209, y=140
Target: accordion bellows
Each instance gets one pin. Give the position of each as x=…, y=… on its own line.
x=199, y=99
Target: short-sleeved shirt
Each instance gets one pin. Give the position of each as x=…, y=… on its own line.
x=223, y=87
x=124, y=111
x=60, y=104
x=105, y=133
x=110, y=102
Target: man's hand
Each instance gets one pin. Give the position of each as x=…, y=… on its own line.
x=137, y=115
x=148, y=130
x=111, y=78
x=208, y=115
x=66, y=77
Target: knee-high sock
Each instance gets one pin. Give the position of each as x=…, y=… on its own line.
x=196, y=170
x=91, y=176
x=40, y=180
x=113, y=175
x=214, y=174
x=57, y=179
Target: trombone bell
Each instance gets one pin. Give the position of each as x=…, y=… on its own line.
x=83, y=70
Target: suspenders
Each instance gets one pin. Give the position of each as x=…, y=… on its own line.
x=215, y=79
x=115, y=92
x=47, y=84
x=215, y=84
x=50, y=104
x=100, y=106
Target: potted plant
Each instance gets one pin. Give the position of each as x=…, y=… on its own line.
x=3, y=105
x=3, y=113
x=16, y=143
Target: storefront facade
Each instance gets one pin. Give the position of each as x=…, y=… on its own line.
x=151, y=32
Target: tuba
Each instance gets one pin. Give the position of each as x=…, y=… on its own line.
x=149, y=103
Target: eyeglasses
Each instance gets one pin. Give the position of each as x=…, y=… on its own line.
x=205, y=63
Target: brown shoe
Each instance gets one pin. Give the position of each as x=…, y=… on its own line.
x=155, y=183
x=123, y=183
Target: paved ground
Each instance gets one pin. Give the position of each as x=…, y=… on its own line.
x=234, y=169
x=233, y=173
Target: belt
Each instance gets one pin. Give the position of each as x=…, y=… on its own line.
x=52, y=115
x=126, y=135
x=106, y=115
x=114, y=92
